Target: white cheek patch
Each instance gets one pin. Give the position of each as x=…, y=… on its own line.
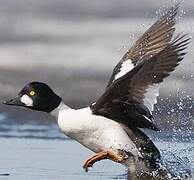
x=126, y=67
x=27, y=100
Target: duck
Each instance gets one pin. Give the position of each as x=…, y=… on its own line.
x=113, y=126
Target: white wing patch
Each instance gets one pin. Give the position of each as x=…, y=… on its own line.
x=27, y=100
x=125, y=67
x=151, y=96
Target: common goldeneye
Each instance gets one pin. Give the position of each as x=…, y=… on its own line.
x=110, y=127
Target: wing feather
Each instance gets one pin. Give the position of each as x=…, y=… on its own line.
x=155, y=39
x=124, y=100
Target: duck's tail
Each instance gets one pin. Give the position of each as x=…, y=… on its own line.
x=151, y=163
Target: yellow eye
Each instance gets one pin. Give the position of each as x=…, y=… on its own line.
x=32, y=93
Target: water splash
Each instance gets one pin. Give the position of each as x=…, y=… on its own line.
x=178, y=167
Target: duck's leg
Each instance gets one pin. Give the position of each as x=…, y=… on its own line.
x=100, y=156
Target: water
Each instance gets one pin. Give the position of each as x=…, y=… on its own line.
x=34, y=150
x=49, y=159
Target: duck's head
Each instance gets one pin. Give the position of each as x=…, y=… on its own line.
x=36, y=95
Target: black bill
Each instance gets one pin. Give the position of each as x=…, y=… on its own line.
x=14, y=102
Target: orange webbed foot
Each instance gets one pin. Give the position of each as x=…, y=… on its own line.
x=100, y=156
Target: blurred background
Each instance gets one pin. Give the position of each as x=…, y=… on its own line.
x=73, y=45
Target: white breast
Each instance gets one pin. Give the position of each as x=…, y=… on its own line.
x=95, y=132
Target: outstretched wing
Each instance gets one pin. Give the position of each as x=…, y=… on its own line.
x=155, y=39
x=123, y=101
